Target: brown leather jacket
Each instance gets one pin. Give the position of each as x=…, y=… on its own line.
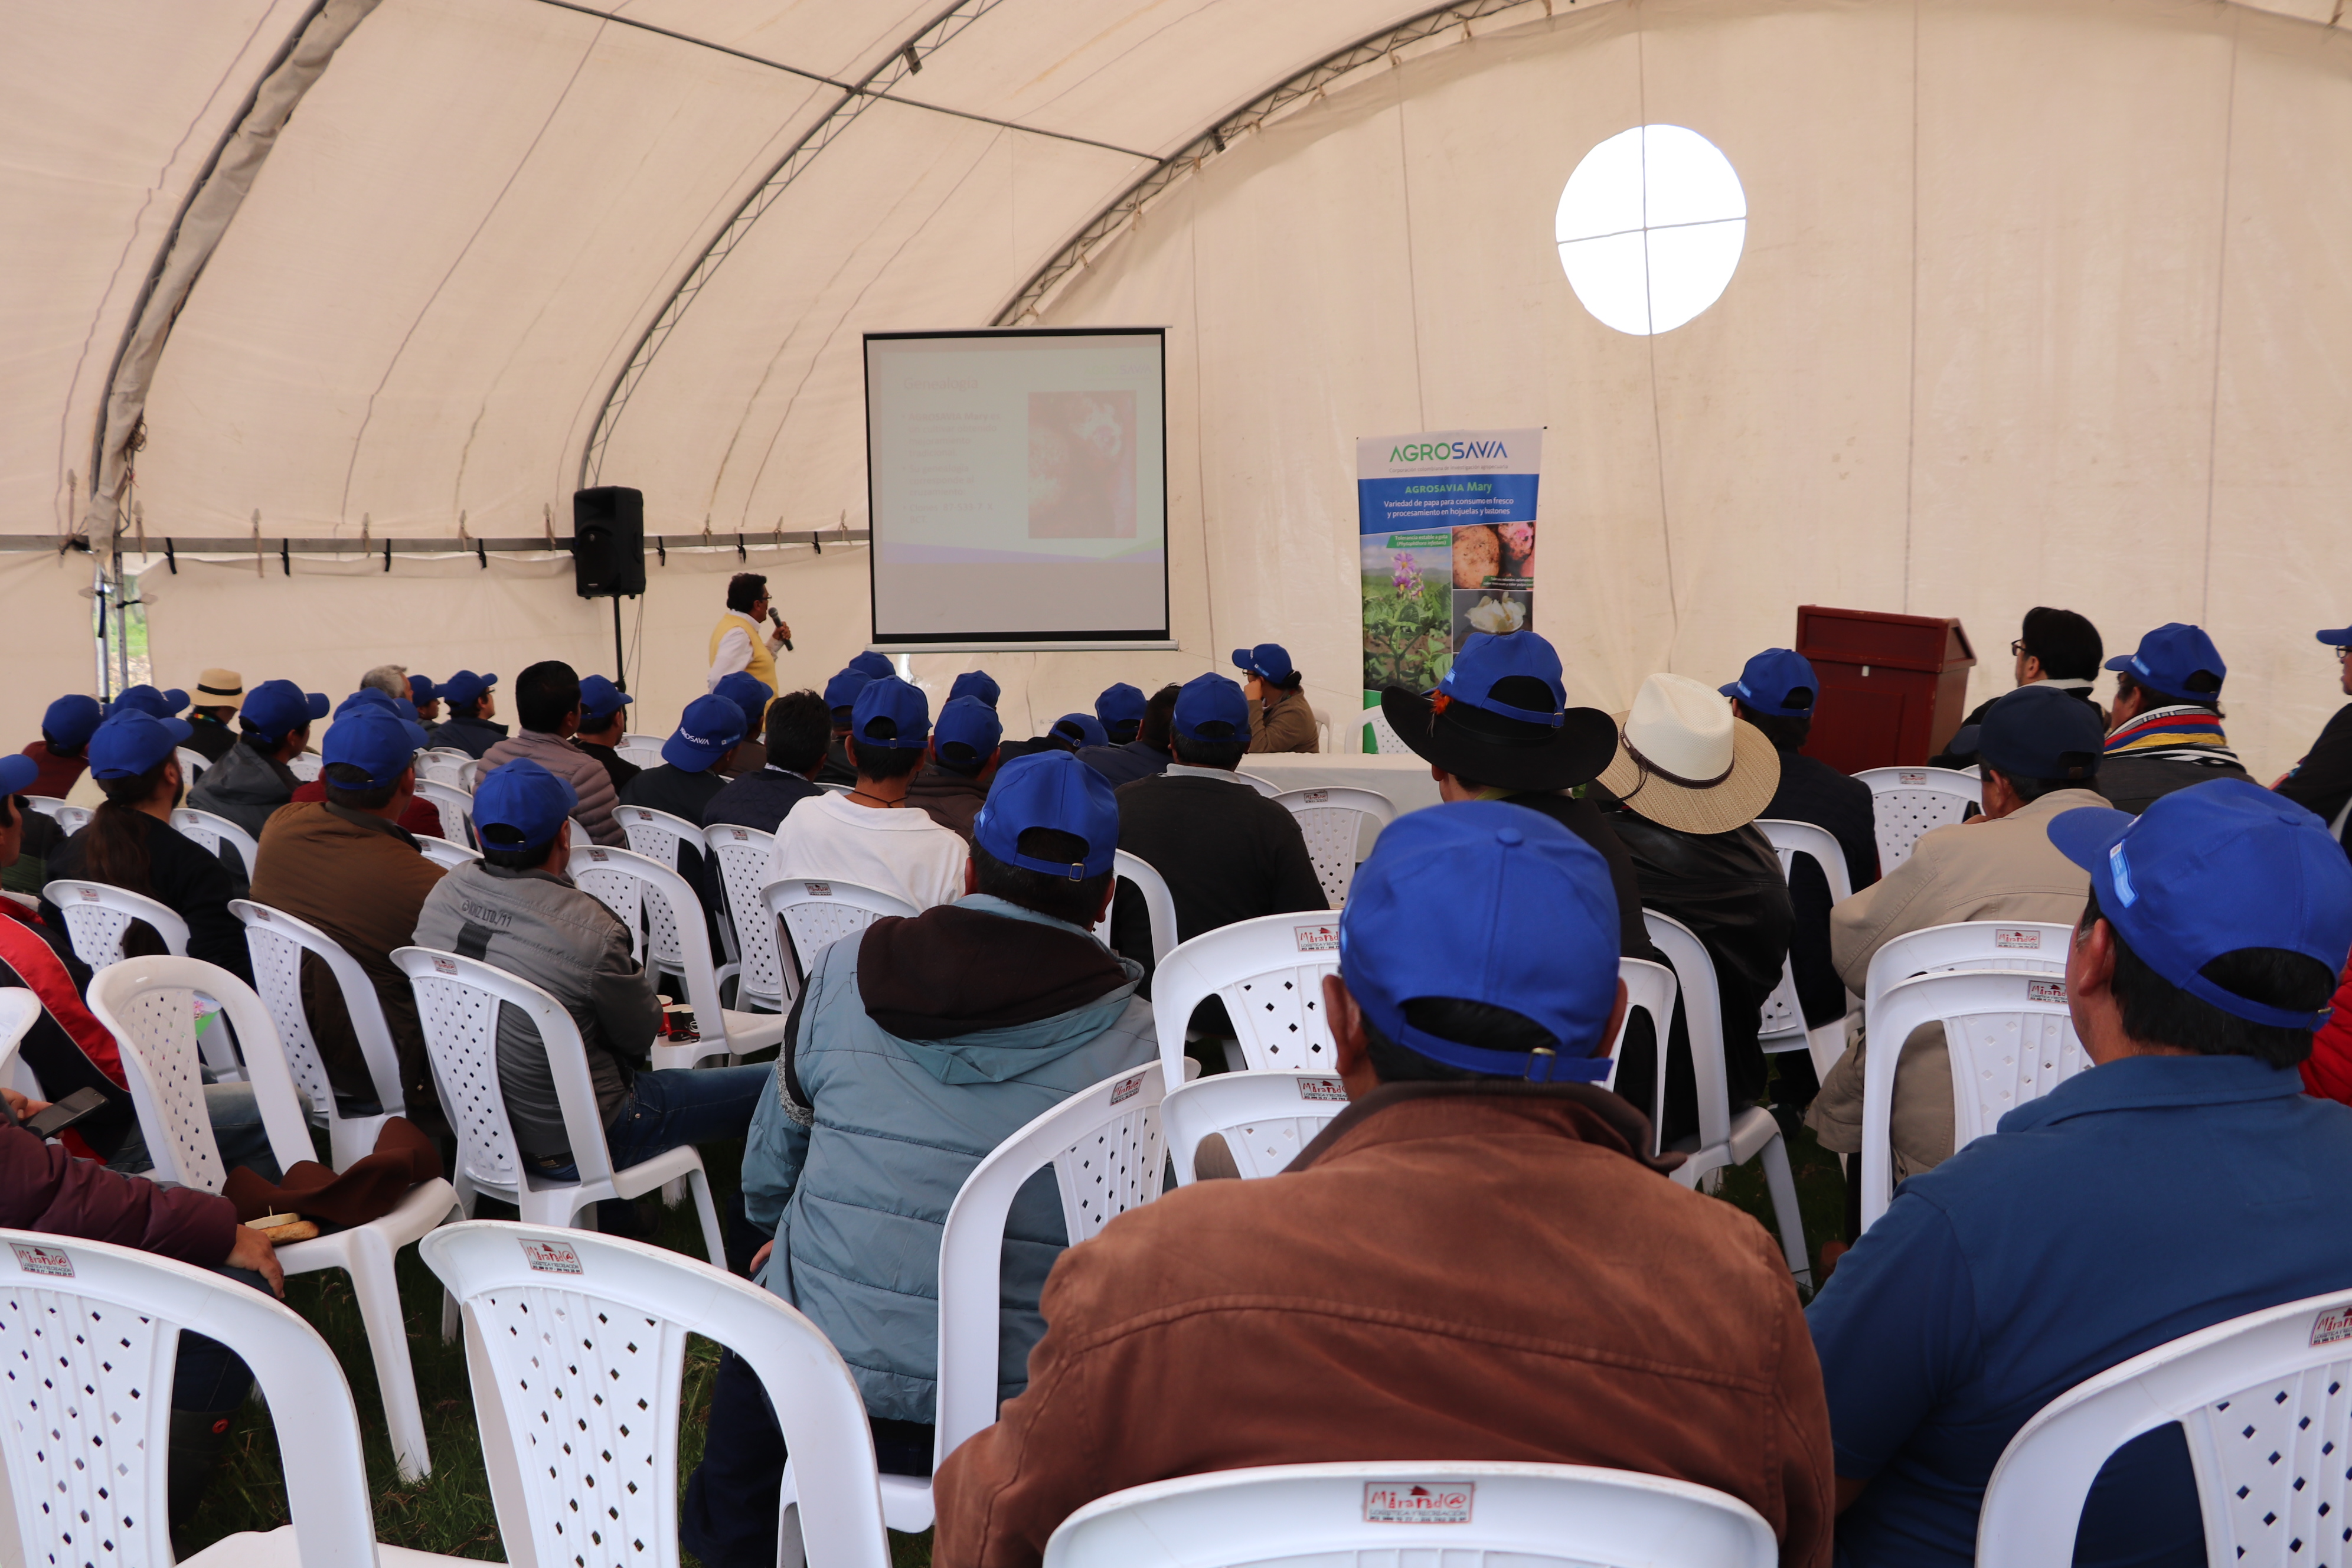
x=1449, y=1272
x=1284, y=724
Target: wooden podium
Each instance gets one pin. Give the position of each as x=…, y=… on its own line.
x=1894, y=688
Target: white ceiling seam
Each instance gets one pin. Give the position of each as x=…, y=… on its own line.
x=212, y=207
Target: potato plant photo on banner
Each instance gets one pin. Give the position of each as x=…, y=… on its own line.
x=1408, y=612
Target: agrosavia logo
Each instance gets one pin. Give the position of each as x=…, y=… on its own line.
x=1446, y=451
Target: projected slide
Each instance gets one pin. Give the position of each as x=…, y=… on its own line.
x=1018, y=487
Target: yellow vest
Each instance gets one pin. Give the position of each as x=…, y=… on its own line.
x=763, y=663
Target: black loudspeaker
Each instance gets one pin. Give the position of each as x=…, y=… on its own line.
x=608, y=543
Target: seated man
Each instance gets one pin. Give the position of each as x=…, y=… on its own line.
x=1120, y=710
x=914, y=1051
x=688, y=779
x=422, y=819
x=547, y=702
x=1280, y=717
x=2040, y=752
x=253, y=779
x=966, y=748
x=2054, y=647
x=1552, y=1298
x=1145, y=754
x=1073, y=731
x=472, y=705
x=2321, y=783
x=426, y=698
x=2184, y=1179
x=797, y=729
x=344, y=865
x=2165, y=731
x=604, y=719
x=752, y=696
x=219, y=694
x=66, y=729
x=840, y=701
x=517, y=909
x=1227, y=852
x=869, y=836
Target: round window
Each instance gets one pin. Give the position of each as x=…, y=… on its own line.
x=1651, y=226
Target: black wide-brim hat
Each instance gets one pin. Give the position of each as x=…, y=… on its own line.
x=1508, y=754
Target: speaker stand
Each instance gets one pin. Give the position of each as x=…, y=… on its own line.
x=620, y=652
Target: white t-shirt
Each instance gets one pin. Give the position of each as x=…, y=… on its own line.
x=901, y=852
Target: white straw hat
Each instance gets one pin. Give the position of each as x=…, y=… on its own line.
x=1686, y=761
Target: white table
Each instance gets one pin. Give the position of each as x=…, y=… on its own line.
x=1406, y=780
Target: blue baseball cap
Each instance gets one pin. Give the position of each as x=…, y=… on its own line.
x=877, y=665
x=422, y=690
x=367, y=698
x=600, y=699
x=131, y=741
x=1779, y=681
x=2038, y=732
x=1270, y=660
x=2213, y=869
x=147, y=699
x=1476, y=675
x=747, y=692
x=966, y=733
x=69, y=721
x=2170, y=656
x=976, y=683
x=521, y=806
x=2340, y=637
x=842, y=690
x=1049, y=789
x=17, y=773
x=1080, y=729
x=379, y=741
x=1212, y=708
x=891, y=715
x=275, y=709
x=1488, y=902
x=1500, y=716
x=706, y=730
x=1121, y=704
x=467, y=687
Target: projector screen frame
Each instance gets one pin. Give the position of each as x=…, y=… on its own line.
x=1162, y=639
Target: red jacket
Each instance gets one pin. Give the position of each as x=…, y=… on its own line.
x=57, y=774
x=2327, y=1072
x=44, y=1188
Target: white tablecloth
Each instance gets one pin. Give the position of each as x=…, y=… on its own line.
x=1404, y=779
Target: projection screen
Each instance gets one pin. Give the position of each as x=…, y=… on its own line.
x=1017, y=483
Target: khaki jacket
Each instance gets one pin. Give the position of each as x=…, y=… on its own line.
x=2004, y=870
x=1449, y=1272
x=1286, y=724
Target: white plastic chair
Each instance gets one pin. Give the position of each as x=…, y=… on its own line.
x=1158, y=903
x=50, y=806
x=19, y=1010
x=2262, y=1401
x=2009, y=1038
x=99, y=915
x=149, y=1005
x=213, y=831
x=625, y=882
x=469, y=772
x=1388, y=1511
x=1269, y=971
x=1724, y=1139
x=305, y=766
x=1907, y=802
x=816, y=914
x=433, y=768
x=1332, y=821
x=442, y=852
x=193, y=764
x=278, y=941
x=764, y=975
x=639, y=752
x=1784, y=1017
x=104, y=1321
x=1386, y=742
x=458, y=1001
x=456, y=807
x=1649, y=988
x=575, y=1343
x=2031, y=947
x=1266, y=787
x=1266, y=1118
x=658, y=833
x=1322, y=730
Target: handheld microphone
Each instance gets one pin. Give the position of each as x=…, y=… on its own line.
x=778, y=622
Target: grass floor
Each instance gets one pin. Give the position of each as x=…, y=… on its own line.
x=450, y=1511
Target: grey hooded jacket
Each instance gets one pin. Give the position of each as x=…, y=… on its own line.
x=244, y=786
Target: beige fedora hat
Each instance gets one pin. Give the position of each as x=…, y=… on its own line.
x=1686, y=761
x=220, y=689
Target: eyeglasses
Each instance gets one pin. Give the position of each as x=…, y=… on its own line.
x=2342, y=651
x=2017, y=648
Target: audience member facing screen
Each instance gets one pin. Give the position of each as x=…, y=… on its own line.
x=547, y=704
x=1544, y=1293
x=2057, y=648
x=793, y=743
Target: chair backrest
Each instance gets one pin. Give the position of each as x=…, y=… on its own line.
x=1384, y=1512
x=1158, y=903
x=1269, y=971
x=48, y=806
x=442, y=852
x=468, y=772
x=639, y=755
x=658, y=833
x=1907, y=802
x=213, y=831
x=304, y=767
x=1266, y=1118
x=278, y=941
x=1332, y=821
x=432, y=767
x=1107, y=1150
x=18, y=1008
x=149, y=1005
x=2031, y=947
x=2262, y=1400
x=1784, y=1016
x=818, y=914
x=458, y=1002
x=2010, y=1038
x=1266, y=787
x=72, y=819
x=456, y=807
x=193, y=764
x=676, y=938
x=1649, y=988
x=576, y=1343
x=98, y=915
x=89, y=1430
x=1702, y=1016
x=1386, y=742
x=767, y=972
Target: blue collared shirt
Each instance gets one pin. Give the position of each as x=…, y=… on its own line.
x=2135, y=1203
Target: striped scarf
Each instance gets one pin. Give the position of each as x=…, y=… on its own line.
x=2187, y=732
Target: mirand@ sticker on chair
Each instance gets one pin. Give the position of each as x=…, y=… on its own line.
x=551, y=1256
x=1322, y=1089
x=52, y=1263
x=1317, y=938
x=2333, y=1326
x=1410, y=1502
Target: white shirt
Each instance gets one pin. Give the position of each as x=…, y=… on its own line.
x=901, y=852
x=735, y=650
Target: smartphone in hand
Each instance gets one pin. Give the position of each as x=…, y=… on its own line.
x=78, y=1106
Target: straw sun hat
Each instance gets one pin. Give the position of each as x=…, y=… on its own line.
x=1686, y=761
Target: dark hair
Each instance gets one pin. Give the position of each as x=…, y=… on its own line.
x=1159, y=717
x=2205, y=692
x=798, y=726
x=882, y=764
x=2156, y=1011
x=544, y=693
x=617, y=719
x=2028, y=790
x=249, y=736
x=1290, y=682
x=114, y=846
x=744, y=590
x=50, y=741
x=464, y=710
x=347, y=786
x=1786, y=732
x=1225, y=755
x=2067, y=644
x=1479, y=1023
x=12, y=807
x=1073, y=903
x=516, y=859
